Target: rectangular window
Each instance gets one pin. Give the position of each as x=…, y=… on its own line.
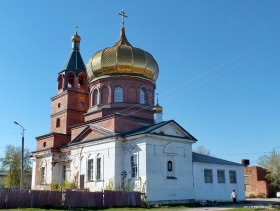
x=208, y=176
x=43, y=177
x=64, y=173
x=90, y=170
x=221, y=176
x=133, y=160
x=232, y=176
x=98, y=169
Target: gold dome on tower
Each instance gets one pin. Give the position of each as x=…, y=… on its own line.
x=157, y=108
x=122, y=59
x=76, y=38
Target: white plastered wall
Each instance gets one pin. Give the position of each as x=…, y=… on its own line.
x=217, y=191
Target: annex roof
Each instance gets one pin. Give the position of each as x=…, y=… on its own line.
x=209, y=159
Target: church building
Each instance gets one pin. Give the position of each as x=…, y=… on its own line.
x=106, y=130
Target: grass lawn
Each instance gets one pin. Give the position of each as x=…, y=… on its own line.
x=164, y=208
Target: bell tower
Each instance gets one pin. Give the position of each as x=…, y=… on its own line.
x=71, y=101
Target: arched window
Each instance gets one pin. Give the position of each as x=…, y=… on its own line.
x=98, y=168
x=143, y=96
x=81, y=81
x=59, y=85
x=169, y=165
x=134, y=166
x=57, y=122
x=118, y=95
x=94, y=97
x=70, y=80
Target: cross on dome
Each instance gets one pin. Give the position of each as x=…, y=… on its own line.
x=77, y=28
x=122, y=13
x=157, y=98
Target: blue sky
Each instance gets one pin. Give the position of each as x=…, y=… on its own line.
x=219, y=65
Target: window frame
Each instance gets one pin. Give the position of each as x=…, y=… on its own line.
x=169, y=166
x=208, y=176
x=134, y=165
x=64, y=173
x=143, y=96
x=94, y=101
x=90, y=170
x=118, y=94
x=221, y=179
x=98, y=168
x=232, y=177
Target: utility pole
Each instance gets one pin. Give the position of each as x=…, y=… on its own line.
x=22, y=154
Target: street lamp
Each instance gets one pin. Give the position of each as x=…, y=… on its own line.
x=22, y=153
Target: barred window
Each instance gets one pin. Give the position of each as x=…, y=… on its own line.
x=208, y=176
x=221, y=176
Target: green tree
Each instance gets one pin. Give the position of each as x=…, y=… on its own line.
x=202, y=150
x=11, y=163
x=271, y=163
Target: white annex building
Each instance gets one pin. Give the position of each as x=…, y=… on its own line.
x=107, y=131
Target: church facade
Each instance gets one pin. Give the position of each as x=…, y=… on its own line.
x=106, y=131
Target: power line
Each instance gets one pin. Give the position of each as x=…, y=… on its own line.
x=209, y=71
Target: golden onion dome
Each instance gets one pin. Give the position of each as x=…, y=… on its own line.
x=122, y=59
x=76, y=38
x=157, y=108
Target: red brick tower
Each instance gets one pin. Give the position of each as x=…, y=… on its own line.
x=71, y=100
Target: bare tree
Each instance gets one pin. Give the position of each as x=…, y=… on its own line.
x=202, y=150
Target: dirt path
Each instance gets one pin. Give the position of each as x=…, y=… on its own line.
x=251, y=202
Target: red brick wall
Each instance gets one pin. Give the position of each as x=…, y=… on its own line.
x=131, y=96
x=255, y=182
x=45, y=142
x=68, y=108
x=52, y=140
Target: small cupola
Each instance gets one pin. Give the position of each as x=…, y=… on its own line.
x=157, y=112
x=75, y=62
x=76, y=42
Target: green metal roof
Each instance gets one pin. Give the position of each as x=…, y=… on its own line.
x=74, y=63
